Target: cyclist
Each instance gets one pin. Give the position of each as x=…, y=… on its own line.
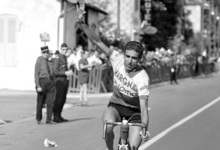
x=130, y=91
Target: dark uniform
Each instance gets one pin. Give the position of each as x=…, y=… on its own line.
x=173, y=71
x=61, y=84
x=44, y=80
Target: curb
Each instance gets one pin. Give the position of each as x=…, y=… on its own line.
x=95, y=95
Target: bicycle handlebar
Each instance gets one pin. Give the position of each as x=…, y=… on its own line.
x=129, y=124
x=142, y=125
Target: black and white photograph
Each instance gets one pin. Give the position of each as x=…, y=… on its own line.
x=110, y=74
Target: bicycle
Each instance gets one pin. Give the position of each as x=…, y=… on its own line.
x=123, y=143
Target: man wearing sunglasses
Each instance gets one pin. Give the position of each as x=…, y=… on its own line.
x=61, y=72
x=44, y=85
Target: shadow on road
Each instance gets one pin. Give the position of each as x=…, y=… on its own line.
x=90, y=105
x=79, y=119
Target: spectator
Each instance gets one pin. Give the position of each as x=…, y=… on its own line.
x=154, y=63
x=104, y=59
x=83, y=76
x=93, y=58
x=57, y=53
x=71, y=57
x=74, y=51
x=61, y=83
x=44, y=86
x=173, y=70
x=79, y=51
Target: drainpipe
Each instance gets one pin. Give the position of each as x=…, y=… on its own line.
x=118, y=17
x=58, y=24
x=65, y=20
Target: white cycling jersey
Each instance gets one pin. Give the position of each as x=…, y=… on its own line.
x=128, y=87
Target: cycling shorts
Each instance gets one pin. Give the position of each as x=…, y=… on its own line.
x=131, y=114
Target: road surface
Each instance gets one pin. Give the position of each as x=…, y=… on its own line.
x=182, y=117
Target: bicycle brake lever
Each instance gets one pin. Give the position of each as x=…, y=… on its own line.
x=145, y=135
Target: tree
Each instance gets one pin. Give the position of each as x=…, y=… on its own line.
x=165, y=16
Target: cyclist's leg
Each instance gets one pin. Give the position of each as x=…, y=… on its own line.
x=110, y=115
x=134, y=131
x=134, y=137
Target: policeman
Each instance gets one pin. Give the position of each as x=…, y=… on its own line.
x=61, y=82
x=173, y=70
x=44, y=85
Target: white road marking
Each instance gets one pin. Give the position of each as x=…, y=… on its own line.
x=165, y=132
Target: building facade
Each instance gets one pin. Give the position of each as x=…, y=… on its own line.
x=21, y=22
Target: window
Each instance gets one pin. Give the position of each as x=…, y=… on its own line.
x=1, y=30
x=11, y=30
x=8, y=40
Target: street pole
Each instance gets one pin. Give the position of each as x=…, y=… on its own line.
x=210, y=28
x=132, y=20
x=216, y=29
x=65, y=21
x=118, y=17
x=202, y=26
x=213, y=29
x=218, y=33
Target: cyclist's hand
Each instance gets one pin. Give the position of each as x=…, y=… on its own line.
x=80, y=11
x=145, y=135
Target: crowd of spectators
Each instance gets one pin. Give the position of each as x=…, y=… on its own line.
x=156, y=59
x=158, y=56
x=193, y=63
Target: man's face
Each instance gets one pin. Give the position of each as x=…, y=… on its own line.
x=63, y=50
x=85, y=54
x=96, y=53
x=74, y=52
x=68, y=52
x=45, y=54
x=131, y=59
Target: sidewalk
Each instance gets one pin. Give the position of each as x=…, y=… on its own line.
x=19, y=130
x=19, y=105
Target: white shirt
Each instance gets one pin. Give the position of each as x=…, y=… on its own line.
x=128, y=87
x=95, y=59
x=77, y=59
x=71, y=60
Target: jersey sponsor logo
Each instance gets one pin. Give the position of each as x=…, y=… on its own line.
x=125, y=91
x=125, y=81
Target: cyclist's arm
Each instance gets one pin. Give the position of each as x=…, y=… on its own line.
x=95, y=39
x=144, y=110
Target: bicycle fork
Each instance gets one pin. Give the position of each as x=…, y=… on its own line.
x=124, y=131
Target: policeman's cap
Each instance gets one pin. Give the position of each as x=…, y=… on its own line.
x=44, y=49
x=64, y=45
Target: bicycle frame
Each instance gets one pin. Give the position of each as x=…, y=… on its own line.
x=124, y=130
